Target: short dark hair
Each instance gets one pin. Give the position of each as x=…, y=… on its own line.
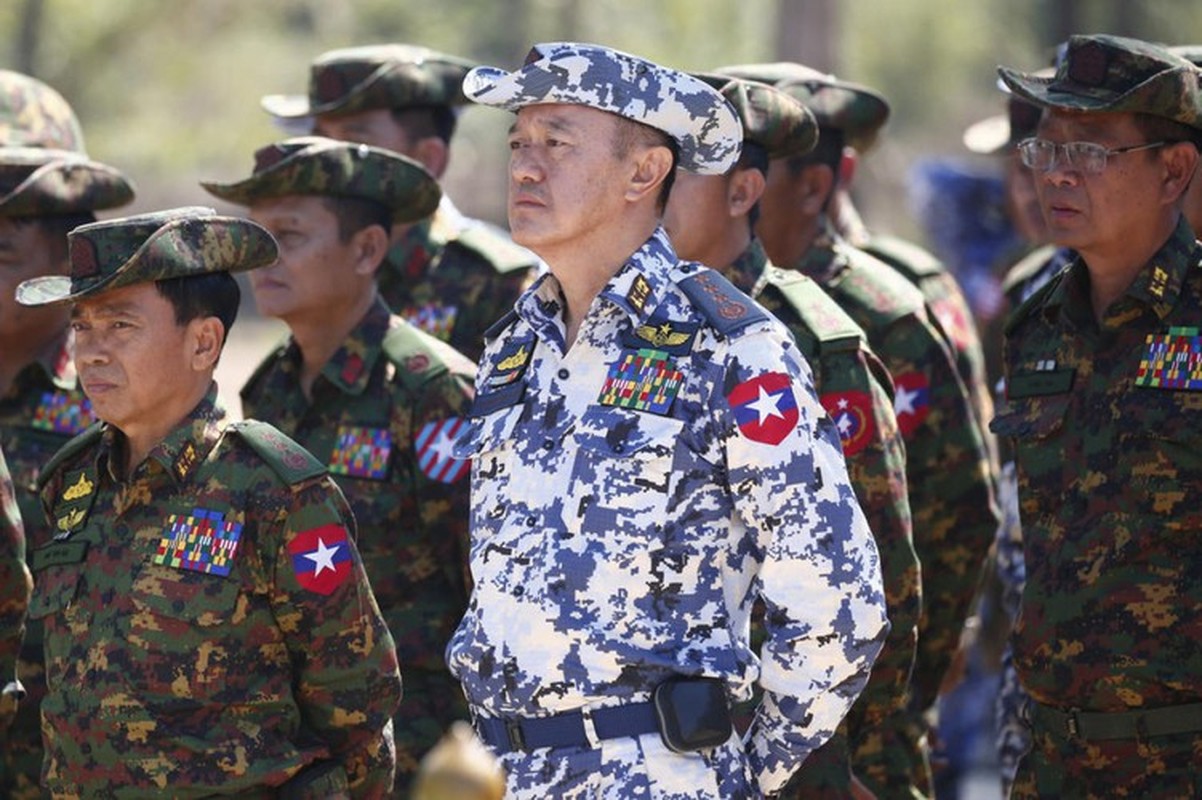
x=356, y=213
x=631, y=133
x=211, y=294
x=422, y=122
x=1160, y=129
x=57, y=226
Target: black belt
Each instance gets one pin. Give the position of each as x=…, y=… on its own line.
x=523, y=734
x=1136, y=724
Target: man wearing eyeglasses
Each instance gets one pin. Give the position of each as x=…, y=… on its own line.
x=1104, y=394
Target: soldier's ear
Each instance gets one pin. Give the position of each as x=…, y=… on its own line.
x=432, y=153
x=369, y=246
x=651, y=168
x=744, y=190
x=207, y=336
x=816, y=183
x=1180, y=160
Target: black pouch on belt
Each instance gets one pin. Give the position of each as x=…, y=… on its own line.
x=693, y=714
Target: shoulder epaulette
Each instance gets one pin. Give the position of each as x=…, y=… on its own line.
x=883, y=292
x=725, y=308
x=1027, y=267
x=908, y=258
x=287, y=459
x=1033, y=302
x=833, y=329
x=498, y=327
x=494, y=246
x=420, y=357
x=81, y=442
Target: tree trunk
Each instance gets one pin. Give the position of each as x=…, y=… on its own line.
x=29, y=32
x=807, y=31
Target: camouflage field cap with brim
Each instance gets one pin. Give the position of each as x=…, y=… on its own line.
x=689, y=110
x=315, y=165
x=36, y=181
x=176, y=243
x=772, y=120
x=1000, y=133
x=856, y=111
x=34, y=115
x=1101, y=73
x=375, y=76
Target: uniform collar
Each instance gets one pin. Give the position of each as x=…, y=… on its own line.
x=351, y=366
x=746, y=270
x=182, y=450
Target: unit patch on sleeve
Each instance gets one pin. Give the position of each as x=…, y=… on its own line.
x=1172, y=360
x=852, y=415
x=912, y=401
x=645, y=380
x=321, y=558
x=765, y=408
x=435, y=444
x=361, y=452
x=203, y=541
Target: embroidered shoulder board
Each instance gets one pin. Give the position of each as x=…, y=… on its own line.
x=81, y=442
x=498, y=327
x=880, y=291
x=830, y=325
x=725, y=308
x=1033, y=302
x=291, y=462
x=906, y=257
x=495, y=247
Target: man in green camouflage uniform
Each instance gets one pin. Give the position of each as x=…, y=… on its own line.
x=15, y=585
x=47, y=187
x=209, y=628
x=948, y=468
x=451, y=276
x=370, y=395
x=709, y=219
x=1104, y=390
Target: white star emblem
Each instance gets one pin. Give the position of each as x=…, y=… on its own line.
x=443, y=447
x=766, y=405
x=322, y=557
x=903, y=403
x=844, y=425
x=842, y=403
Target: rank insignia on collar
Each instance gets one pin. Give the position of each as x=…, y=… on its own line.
x=433, y=318
x=1159, y=282
x=361, y=452
x=75, y=502
x=1172, y=360
x=510, y=364
x=67, y=412
x=203, y=541
x=185, y=461
x=80, y=489
x=639, y=294
x=644, y=379
x=674, y=338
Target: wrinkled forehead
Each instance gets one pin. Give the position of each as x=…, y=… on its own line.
x=1105, y=127
x=563, y=116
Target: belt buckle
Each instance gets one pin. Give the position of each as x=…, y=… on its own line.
x=513, y=731
x=1072, y=725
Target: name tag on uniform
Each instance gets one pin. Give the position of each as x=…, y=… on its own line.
x=58, y=554
x=1039, y=383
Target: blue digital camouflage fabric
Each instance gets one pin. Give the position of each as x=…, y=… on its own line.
x=686, y=108
x=632, y=498
x=453, y=277
x=33, y=114
x=42, y=410
x=857, y=392
x=209, y=627
x=1112, y=605
x=381, y=416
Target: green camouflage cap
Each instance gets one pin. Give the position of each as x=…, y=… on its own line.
x=152, y=247
x=771, y=119
x=34, y=115
x=1113, y=74
x=375, y=76
x=39, y=182
x=321, y=166
x=855, y=110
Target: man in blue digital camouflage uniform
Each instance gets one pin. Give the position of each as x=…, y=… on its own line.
x=649, y=458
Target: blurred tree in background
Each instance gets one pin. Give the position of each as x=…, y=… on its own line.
x=169, y=91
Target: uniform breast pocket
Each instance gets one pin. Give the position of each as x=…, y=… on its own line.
x=1031, y=419
x=622, y=475
x=169, y=596
x=488, y=440
x=1162, y=443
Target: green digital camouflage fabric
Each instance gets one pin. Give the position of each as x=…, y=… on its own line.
x=854, y=109
x=771, y=119
x=952, y=314
x=34, y=115
x=209, y=627
x=40, y=182
x=391, y=76
x=948, y=469
x=379, y=416
x=327, y=167
x=15, y=585
x=1102, y=73
x=453, y=278
x=1112, y=605
x=857, y=393
x=42, y=410
x=151, y=247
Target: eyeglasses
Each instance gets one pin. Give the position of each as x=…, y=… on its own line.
x=1085, y=157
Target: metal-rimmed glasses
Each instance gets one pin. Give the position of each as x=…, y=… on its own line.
x=1086, y=157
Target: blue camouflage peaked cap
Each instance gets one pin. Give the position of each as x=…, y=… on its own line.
x=693, y=113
